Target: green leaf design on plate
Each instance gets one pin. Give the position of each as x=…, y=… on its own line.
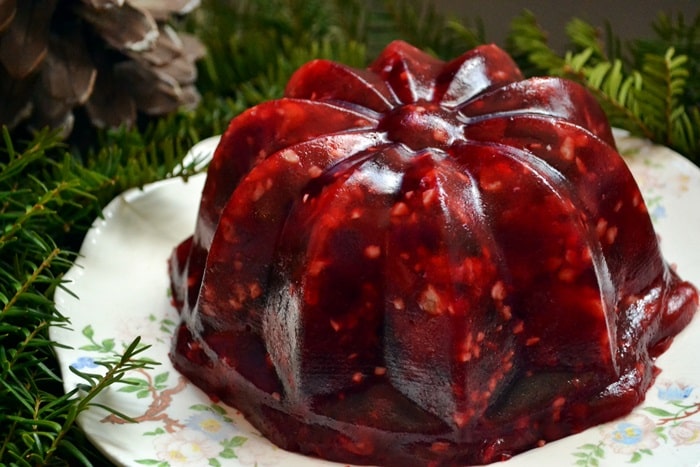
x=658, y=412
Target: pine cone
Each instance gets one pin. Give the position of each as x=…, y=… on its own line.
x=113, y=57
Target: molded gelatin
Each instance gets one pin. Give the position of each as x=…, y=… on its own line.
x=423, y=263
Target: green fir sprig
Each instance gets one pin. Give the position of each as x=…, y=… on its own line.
x=41, y=200
x=645, y=89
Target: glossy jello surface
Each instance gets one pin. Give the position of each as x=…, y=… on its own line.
x=423, y=263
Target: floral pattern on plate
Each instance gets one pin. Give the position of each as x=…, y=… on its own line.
x=648, y=428
x=121, y=283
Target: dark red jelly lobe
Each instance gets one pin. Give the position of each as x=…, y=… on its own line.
x=423, y=263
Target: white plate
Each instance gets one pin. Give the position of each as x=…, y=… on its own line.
x=121, y=282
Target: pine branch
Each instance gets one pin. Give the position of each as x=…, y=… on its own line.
x=584, y=36
x=683, y=37
x=286, y=34
x=648, y=94
x=44, y=194
x=420, y=24
x=528, y=44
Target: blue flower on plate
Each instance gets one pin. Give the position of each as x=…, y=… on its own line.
x=211, y=424
x=658, y=212
x=634, y=434
x=84, y=362
x=674, y=391
x=628, y=433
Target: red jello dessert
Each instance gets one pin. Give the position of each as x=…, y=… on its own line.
x=423, y=263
